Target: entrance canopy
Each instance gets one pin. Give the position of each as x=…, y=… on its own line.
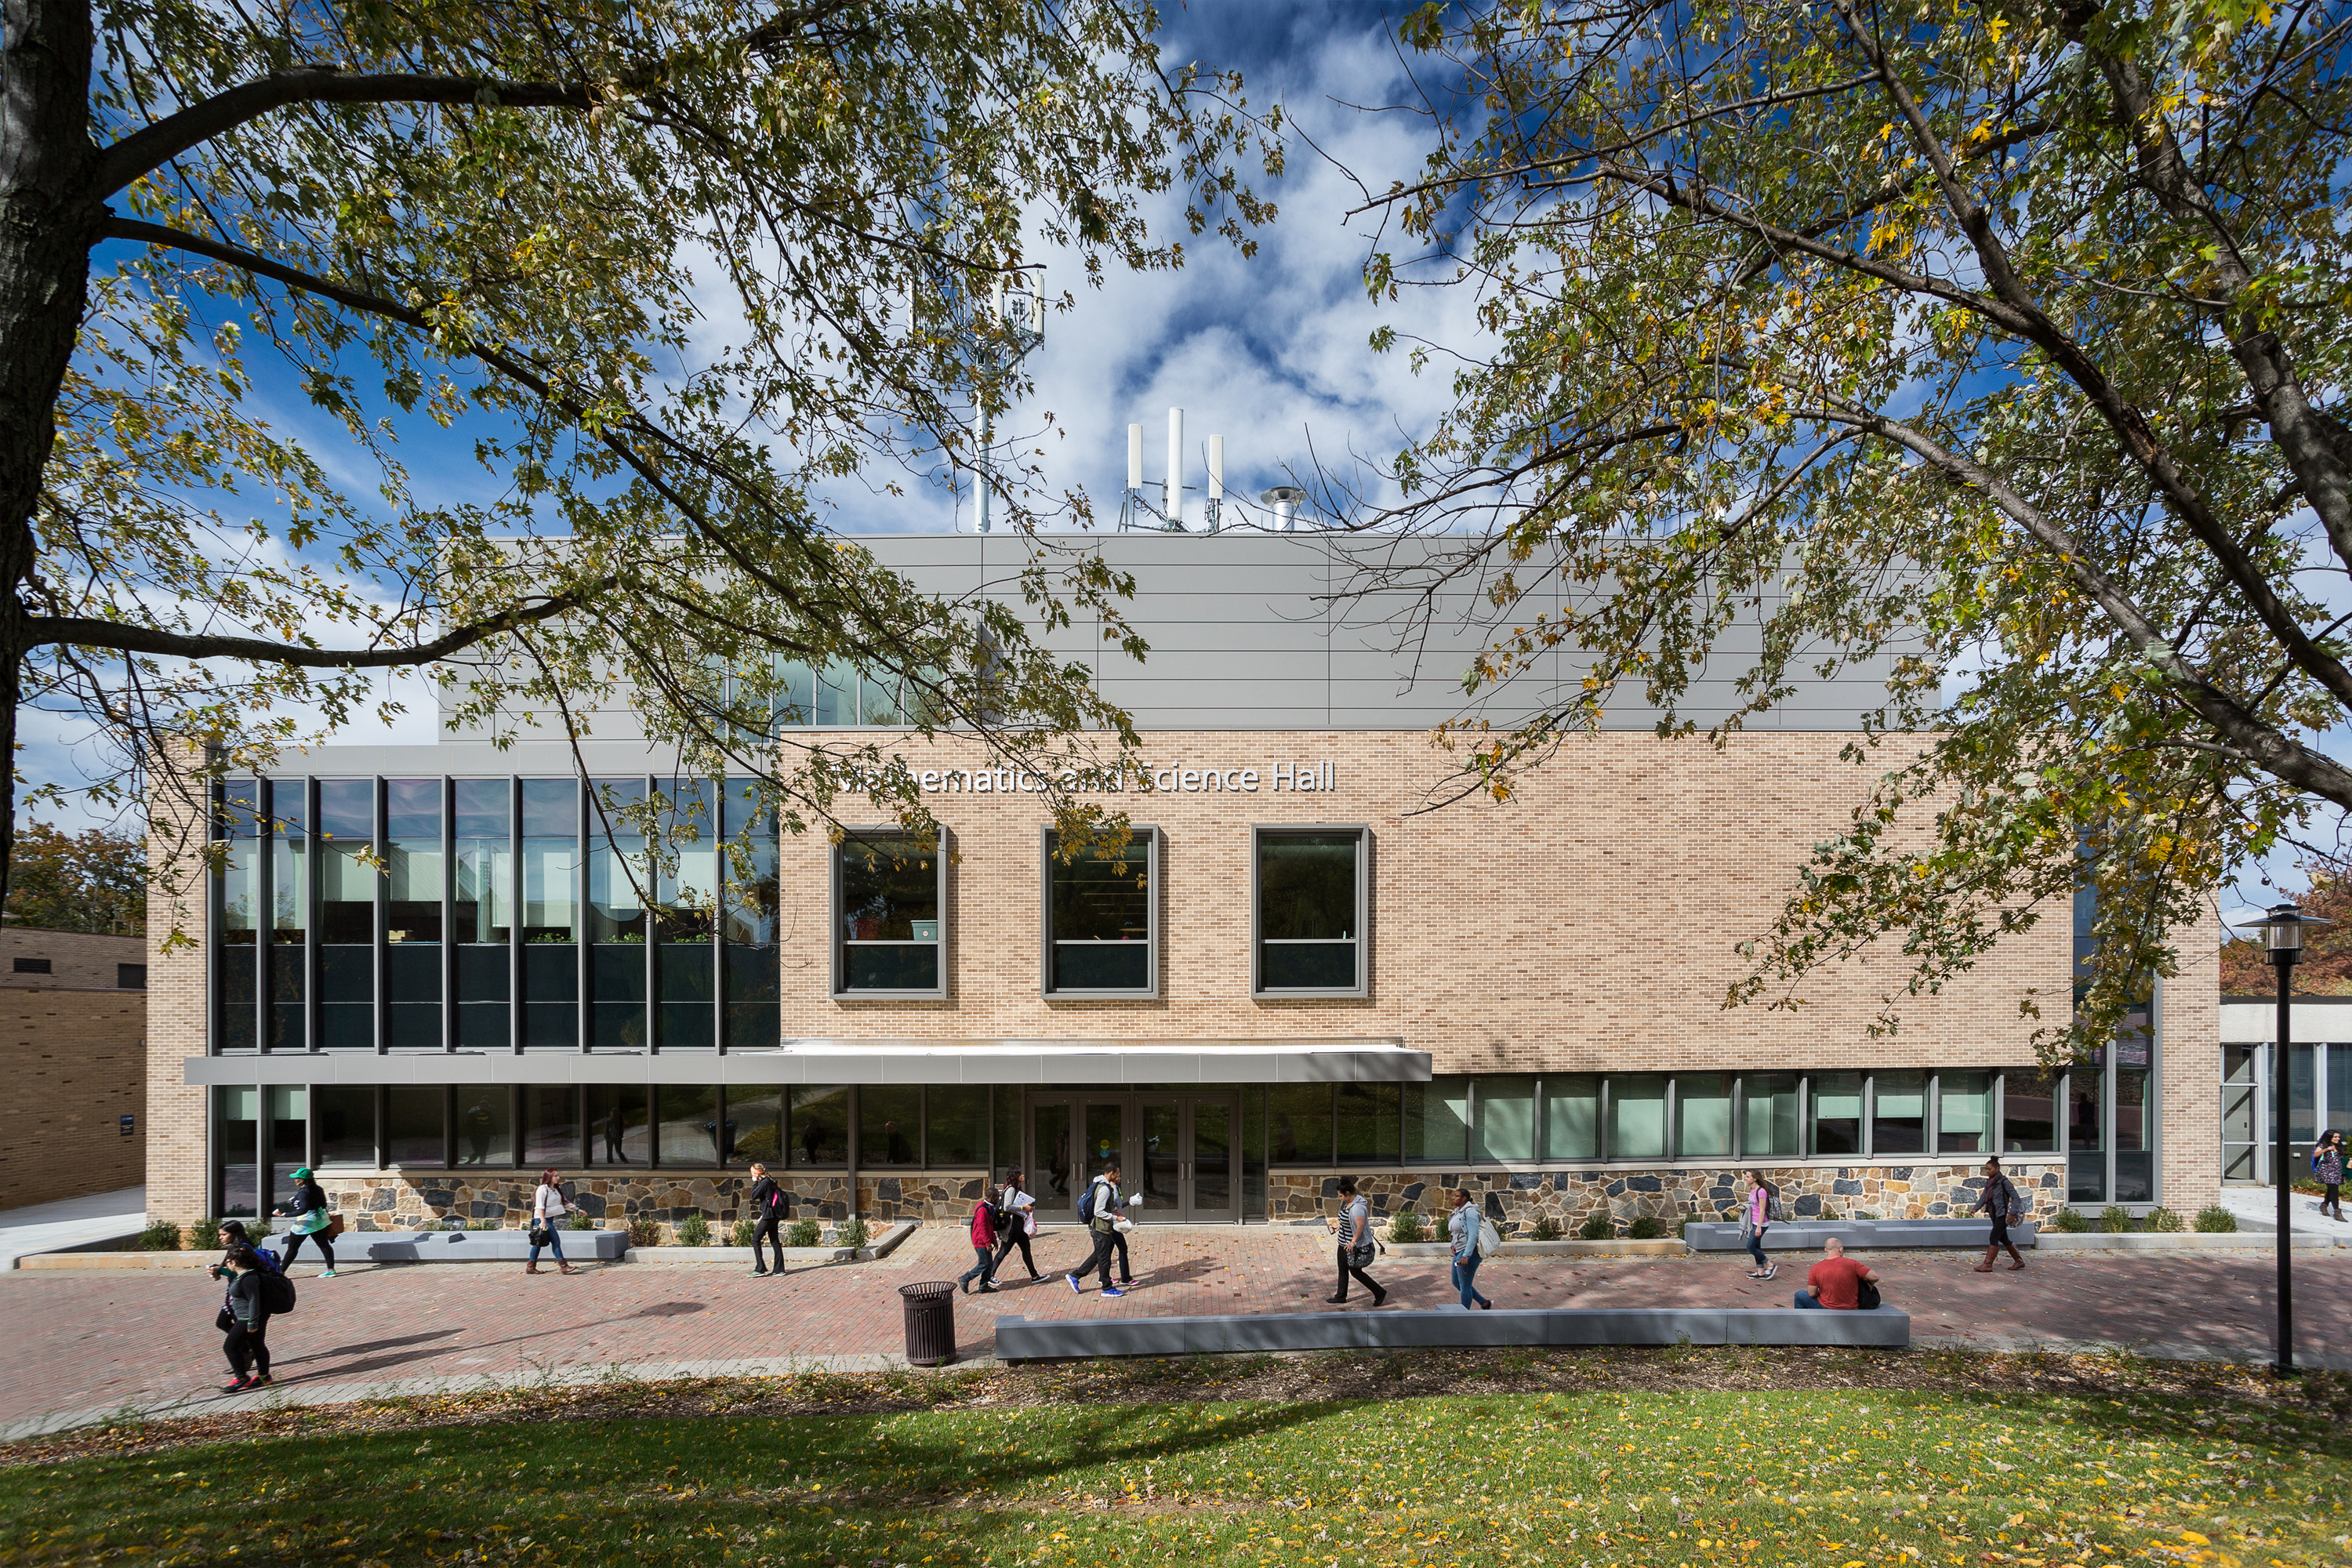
x=1044, y=1062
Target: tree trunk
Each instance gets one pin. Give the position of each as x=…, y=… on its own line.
x=49, y=219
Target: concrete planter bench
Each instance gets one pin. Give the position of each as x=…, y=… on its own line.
x=1021, y=1339
x=1808, y=1236
x=884, y=1241
x=1662, y=1246
x=469, y=1246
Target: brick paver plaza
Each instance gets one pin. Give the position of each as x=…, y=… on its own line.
x=84, y=1341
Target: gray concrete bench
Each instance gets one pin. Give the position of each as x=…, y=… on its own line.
x=465, y=1246
x=1807, y=1236
x=1026, y=1339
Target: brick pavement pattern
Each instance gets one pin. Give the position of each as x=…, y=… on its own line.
x=106, y=1340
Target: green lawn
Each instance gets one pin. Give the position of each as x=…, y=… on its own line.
x=1866, y=1477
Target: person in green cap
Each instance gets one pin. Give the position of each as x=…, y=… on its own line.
x=308, y=1207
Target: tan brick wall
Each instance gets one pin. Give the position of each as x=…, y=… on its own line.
x=79, y=961
x=1591, y=923
x=2190, y=1147
x=177, y=1181
x=76, y=1064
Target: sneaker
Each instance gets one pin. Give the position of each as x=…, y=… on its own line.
x=759, y=1274
x=238, y=1387
x=1113, y=1290
x=264, y=1381
x=1773, y=1272
x=988, y=1287
x=1074, y=1283
x=325, y=1274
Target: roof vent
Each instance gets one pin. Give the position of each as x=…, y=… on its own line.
x=1285, y=500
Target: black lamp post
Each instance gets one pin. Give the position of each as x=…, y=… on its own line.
x=2282, y=929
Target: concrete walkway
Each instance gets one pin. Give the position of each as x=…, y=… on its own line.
x=100, y=1217
x=2257, y=1209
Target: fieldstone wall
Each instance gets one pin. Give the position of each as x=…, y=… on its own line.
x=1515, y=1200
x=429, y=1200
x=930, y=1198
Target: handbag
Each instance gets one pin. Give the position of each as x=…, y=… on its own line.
x=223, y=1321
x=1360, y=1256
x=334, y=1227
x=540, y=1234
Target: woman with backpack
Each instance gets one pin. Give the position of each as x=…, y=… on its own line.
x=1020, y=1211
x=311, y=1220
x=1998, y=1199
x=2328, y=1164
x=1757, y=1212
x=548, y=1208
x=248, y=1309
x=1355, y=1227
x=1467, y=1227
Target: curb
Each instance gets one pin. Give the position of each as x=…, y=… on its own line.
x=883, y=1245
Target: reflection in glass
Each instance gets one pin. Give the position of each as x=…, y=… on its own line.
x=1571, y=1116
x=237, y=982
x=412, y=978
x=1163, y=1155
x=620, y=881
x=1371, y=1123
x=1637, y=1117
x=955, y=1126
x=347, y=885
x=757, y=1114
x=890, y=1124
x=343, y=1124
x=748, y=918
x=1437, y=1121
x=818, y=1127
x=1053, y=1172
x=2086, y=1163
x=550, y=1126
x=1702, y=1116
x=550, y=882
x=1837, y=1114
x=2135, y=1161
x=289, y=907
x=890, y=923
x=1299, y=1120
x=485, y=1125
x=414, y=1130
x=1099, y=904
x=1899, y=1113
x=689, y=1133
x=237, y=1130
x=2029, y=1115
x=618, y=1131
x=1964, y=1113
x=1212, y=1155
x=2302, y=1094
x=483, y=906
x=1506, y=1120
x=1307, y=911
x=289, y=1138
x=1769, y=1126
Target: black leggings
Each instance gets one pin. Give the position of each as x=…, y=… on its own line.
x=1019, y=1238
x=294, y=1245
x=246, y=1348
x=2333, y=1197
x=769, y=1227
x=1346, y=1268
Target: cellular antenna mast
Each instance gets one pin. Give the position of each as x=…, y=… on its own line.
x=1137, y=510
x=997, y=332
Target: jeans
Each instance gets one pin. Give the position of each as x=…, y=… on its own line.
x=983, y=1267
x=1018, y=1236
x=769, y=1228
x=555, y=1244
x=246, y=1348
x=1756, y=1247
x=294, y=1245
x=1346, y=1268
x=1805, y=1299
x=1465, y=1279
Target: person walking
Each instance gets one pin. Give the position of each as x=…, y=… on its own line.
x=2328, y=1164
x=1020, y=1211
x=247, y=1344
x=548, y=1208
x=2000, y=1198
x=1465, y=1225
x=1354, y=1227
x=1757, y=1212
x=769, y=1204
x=1100, y=1207
x=311, y=1222
x=984, y=1219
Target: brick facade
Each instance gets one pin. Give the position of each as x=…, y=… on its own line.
x=76, y=1062
x=78, y=959
x=177, y=1181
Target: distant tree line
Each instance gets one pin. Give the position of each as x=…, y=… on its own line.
x=93, y=881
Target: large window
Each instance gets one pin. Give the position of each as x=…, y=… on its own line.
x=890, y=1125
x=688, y=1132
x=550, y=1126
x=1571, y=1116
x=415, y=1125
x=620, y=883
x=1369, y=1123
x=1637, y=1118
x=289, y=915
x=348, y=886
x=890, y=898
x=1769, y=1124
x=413, y=863
x=483, y=891
x=1837, y=1115
x=1899, y=1113
x=955, y=1127
x=2029, y=1115
x=748, y=918
x=1702, y=1116
x=1098, y=923
x=816, y=1127
x=236, y=1143
x=619, y=1132
x=1298, y=1122
x=344, y=1125
x=550, y=920
x=485, y=1125
x=236, y=977
x=1437, y=1122
x=686, y=914
x=1964, y=1112
x=1309, y=905
x=1506, y=1125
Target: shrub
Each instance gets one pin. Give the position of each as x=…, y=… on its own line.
x=694, y=1231
x=805, y=1233
x=482, y=1225
x=1407, y=1227
x=204, y=1234
x=258, y=1230
x=2163, y=1219
x=2114, y=1220
x=1599, y=1227
x=644, y=1231
x=852, y=1233
x=1865, y=1213
x=2215, y=1220
x=1546, y=1228
x=2070, y=1222
x=1646, y=1228
x=745, y=1229
x=579, y=1221
x=161, y=1236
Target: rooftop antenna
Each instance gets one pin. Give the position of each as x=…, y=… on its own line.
x=998, y=336
x=1217, y=501
x=1139, y=511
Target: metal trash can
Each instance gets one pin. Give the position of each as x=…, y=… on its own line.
x=930, y=1322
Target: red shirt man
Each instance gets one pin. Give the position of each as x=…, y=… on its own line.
x=1835, y=1282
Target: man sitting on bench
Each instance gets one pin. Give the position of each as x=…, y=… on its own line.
x=1838, y=1284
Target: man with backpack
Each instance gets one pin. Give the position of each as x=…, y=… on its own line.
x=1999, y=1199
x=1100, y=1211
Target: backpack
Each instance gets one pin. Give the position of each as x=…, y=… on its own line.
x=277, y=1293
x=1086, y=1203
x=1771, y=1205
x=1490, y=1240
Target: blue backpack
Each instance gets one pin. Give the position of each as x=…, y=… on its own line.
x=1086, y=1203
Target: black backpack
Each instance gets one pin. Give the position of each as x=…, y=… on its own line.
x=277, y=1294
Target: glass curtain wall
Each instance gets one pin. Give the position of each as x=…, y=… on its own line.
x=289, y=1135
x=236, y=1144
x=1964, y=1113
x=1770, y=1126
x=416, y=1126
x=817, y=1126
x=1369, y=1124
x=483, y=894
x=1702, y=1116
x=348, y=888
x=749, y=956
x=620, y=882
x=289, y=915
x=1571, y=1129
x=1837, y=1114
x=619, y=1131
x=237, y=959
x=342, y=1126
x=551, y=899
x=412, y=951
x=686, y=918
x=2086, y=1160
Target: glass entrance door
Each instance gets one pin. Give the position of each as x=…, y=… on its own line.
x=1211, y=1180
x=1052, y=1159
x=1177, y=1152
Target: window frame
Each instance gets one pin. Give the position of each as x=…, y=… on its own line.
x=1259, y=831
x=1150, y=989
x=839, y=941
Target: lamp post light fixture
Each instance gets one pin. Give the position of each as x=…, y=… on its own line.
x=2282, y=927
